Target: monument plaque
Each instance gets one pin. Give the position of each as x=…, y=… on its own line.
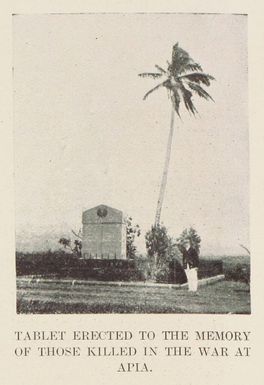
x=104, y=233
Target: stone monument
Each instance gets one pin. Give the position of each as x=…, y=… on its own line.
x=104, y=233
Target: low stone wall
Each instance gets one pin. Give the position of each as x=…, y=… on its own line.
x=73, y=282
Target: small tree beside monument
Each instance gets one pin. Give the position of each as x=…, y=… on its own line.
x=132, y=232
x=157, y=243
x=163, y=255
x=75, y=247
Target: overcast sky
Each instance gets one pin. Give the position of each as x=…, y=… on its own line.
x=83, y=135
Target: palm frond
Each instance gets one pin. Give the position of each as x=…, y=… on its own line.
x=192, y=66
x=197, y=77
x=183, y=78
x=187, y=98
x=153, y=75
x=163, y=84
x=180, y=60
x=200, y=91
x=161, y=70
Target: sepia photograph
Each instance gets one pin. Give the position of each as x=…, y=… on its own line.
x=131, y=154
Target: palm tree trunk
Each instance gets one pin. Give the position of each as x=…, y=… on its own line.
x=165, y=171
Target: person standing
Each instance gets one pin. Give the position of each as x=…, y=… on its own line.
x=190, y=259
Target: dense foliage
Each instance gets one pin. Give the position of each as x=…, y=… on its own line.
x=190, y=235
x=163, y=254
x=132, y=231
x=63, y=265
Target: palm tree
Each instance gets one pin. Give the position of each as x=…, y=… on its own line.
x=182, y=78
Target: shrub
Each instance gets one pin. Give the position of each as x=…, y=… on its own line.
x=157, y=244
x=210, y=268
x=237, y=272
x=191, y=236
x=132, y=231
x=63, y=265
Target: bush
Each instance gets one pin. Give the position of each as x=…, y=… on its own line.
x=237, y=272
x=157, y=244
x=176, y=273
x=63, y=265
x=210, y=268
x=190, y=235
x=45, y=263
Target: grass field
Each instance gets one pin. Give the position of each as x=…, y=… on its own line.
x=220, y=298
